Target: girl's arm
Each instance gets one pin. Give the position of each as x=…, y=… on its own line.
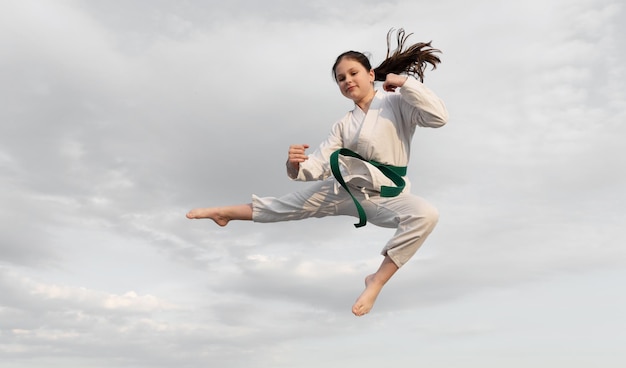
x=316, y=166
x=421, y=105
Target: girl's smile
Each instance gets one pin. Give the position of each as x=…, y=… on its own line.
x=355, y=82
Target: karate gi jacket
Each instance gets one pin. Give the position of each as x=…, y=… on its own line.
x=383, y=134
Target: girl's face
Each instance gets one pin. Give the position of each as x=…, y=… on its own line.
x=354, y=81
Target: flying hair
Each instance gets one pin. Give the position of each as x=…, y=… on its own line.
x=412, y=60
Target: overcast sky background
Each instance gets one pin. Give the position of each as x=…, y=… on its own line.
x=119, y=116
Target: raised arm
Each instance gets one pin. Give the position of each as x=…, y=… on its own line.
x=422, y=106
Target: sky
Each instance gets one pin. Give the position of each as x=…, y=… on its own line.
x=120, y=116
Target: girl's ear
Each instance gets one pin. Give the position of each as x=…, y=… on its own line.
x=372, y=75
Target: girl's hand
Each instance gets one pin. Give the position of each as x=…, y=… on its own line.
x=296, y=153
x=296, y=156
x=393, y=81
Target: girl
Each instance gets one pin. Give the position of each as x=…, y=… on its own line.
x=360, y=168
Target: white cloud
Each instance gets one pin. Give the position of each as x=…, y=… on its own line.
x=120, y=116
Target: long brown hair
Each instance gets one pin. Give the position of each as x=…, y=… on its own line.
x=412, y=61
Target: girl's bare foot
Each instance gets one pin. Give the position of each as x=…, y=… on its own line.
x=222, y=215
x=366, y=300
x=373, y=285
x=212, y=213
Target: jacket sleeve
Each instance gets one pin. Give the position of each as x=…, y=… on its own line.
x=421, y=106
x=317, y=167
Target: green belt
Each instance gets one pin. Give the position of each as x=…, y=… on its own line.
x=394, y=173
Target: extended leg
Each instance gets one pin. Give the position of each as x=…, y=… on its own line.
x=222, y=215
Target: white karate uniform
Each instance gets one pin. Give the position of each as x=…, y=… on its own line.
x=384, y=135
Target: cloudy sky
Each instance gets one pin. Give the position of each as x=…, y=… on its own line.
x=119, y=116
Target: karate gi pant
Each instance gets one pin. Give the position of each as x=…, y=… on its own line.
x=412, y=216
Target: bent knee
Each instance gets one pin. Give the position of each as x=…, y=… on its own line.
x=432, y=216
x=425, y=219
